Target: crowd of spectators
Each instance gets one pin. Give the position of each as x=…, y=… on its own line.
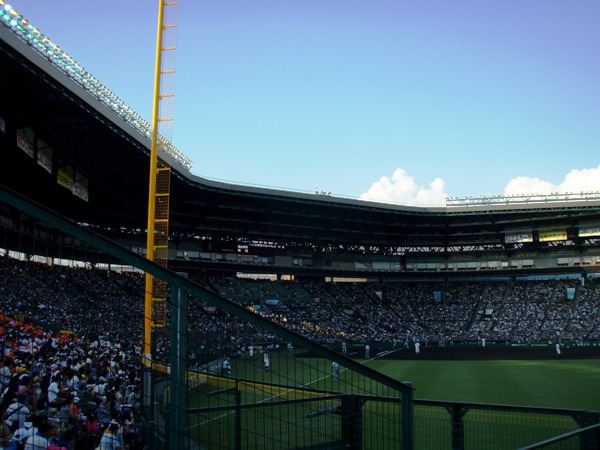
x=77, y=368
x=517, y=311
x=525, y=312
x=68, y=381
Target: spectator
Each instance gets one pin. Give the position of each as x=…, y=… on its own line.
x=29, y=429
x=17, y=412
x=46, y=434
x=5, y=373
x=110, y=439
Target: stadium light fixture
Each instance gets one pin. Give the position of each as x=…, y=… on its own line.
x=10, y=18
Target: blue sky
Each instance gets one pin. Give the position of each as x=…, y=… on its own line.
x=397, y=101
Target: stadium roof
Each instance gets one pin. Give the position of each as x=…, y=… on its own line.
x=103, y=142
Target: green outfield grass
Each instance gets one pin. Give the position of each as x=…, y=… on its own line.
x=565, y=384
x=571, y=384
x=551, y=383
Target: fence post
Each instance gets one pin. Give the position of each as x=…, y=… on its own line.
x=408, y=419
x=457, y=411
x=238, y=416
x=351, y=411
x=150, y=405
x=177, y=415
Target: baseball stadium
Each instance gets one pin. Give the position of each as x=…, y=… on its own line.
x=151, y=308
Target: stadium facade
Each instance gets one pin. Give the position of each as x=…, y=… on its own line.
x=70, y=144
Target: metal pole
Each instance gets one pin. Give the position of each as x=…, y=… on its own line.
x=152, y=188
x=458, y=412
x=177, y=416
x=238, y=417
x=408, y=419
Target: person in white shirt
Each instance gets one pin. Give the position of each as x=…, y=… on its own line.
x=226, y=366
x=5, y=374
x=54, y=390
x=41, y=439
x=17, y=412
x=336, y=371
x=22, y=434
x=110, y=439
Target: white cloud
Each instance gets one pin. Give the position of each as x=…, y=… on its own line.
x=527, y=185
x=584, y=180
x=401, y=189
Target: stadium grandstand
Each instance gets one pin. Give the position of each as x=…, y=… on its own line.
x=278, y=300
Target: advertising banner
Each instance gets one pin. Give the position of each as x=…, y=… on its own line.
x=44, y=156
x=80, y=188
x=517, y=238
x=589, y=231
x=25, y=140
x=553, y=235
x=65, y=177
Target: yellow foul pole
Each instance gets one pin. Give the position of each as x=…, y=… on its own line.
x=148, y=299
